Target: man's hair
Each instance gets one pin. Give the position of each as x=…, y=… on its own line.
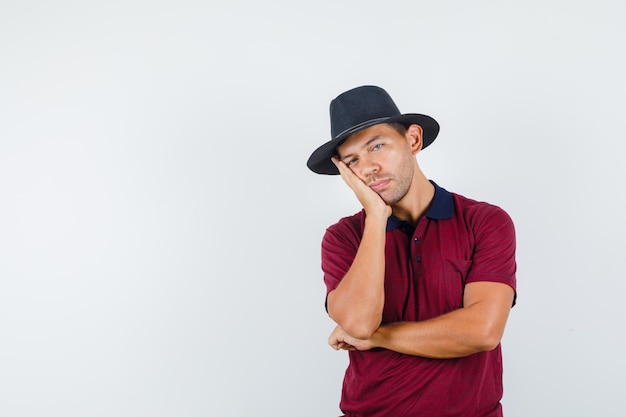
x=398, y=127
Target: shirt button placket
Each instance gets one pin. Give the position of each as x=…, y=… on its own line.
x=417, y=257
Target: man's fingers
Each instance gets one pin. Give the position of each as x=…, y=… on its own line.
x=346, y=173
x=341, y=166
x=342, y=346
x=336, y=340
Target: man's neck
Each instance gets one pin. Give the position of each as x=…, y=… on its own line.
x=416, y=202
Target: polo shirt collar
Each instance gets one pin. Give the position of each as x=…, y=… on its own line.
x=440, y=208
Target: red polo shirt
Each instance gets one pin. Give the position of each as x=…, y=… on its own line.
x=456, y=242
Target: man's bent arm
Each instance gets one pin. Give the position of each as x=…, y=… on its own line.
x=357, y=302
x=477, y=327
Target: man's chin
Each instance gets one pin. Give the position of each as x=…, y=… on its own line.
x=391, y=200
x=385, y=198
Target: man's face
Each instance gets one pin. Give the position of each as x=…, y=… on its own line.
x=383, y=159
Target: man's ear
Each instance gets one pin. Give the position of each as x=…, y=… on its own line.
x=414, y=135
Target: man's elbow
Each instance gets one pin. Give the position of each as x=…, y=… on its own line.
x=362, y=332
x=488, y=344
x=358, y=324
x=360, y=329
x=489, y=339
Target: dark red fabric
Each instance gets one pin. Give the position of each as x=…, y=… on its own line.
x=458, y=241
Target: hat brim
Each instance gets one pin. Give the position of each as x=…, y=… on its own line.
x=320, y=160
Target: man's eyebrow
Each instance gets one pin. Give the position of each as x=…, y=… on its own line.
x=365, y=145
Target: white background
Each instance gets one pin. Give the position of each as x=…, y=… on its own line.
x=159, y=230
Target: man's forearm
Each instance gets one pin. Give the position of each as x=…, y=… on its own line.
x=357, y=302
x=441, y=338
x=475, y=328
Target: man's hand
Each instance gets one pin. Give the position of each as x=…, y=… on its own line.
x=339, y=339
x=373, y=204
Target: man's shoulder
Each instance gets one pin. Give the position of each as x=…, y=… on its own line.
x=347, y=228
x=472, y=209
x=465, y=203
x=353, y=222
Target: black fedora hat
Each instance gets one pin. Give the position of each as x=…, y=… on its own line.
x=358, y=109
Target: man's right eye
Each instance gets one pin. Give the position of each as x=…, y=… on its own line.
x=352, y=162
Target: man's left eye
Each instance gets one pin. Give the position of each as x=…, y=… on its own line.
x=377, y=146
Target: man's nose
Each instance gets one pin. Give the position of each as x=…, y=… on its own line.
x=369, y=166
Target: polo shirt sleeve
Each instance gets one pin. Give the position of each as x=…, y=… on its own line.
x=494, y=248
x=339, y=246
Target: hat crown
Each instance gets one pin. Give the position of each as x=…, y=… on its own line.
x=359, y=106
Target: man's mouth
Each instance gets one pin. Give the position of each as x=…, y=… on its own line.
x=379, y=184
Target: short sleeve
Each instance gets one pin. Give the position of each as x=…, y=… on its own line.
x=339, y=246
x=494, y=250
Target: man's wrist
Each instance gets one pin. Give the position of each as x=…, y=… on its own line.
x=377, y=339
x=379, y=220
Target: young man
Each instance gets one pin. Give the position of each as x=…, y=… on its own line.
x=421, y=281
